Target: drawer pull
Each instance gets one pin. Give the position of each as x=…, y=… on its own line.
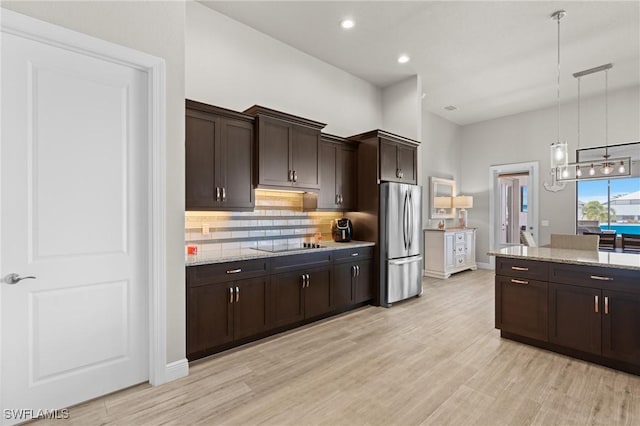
x=354, y=254
x=595, y=303
x=519, y=268
x=234, y=271
x=599, y=278
x=606, y=305
x=519, y=281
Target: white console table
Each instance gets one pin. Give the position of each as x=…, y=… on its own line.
x=447, y=251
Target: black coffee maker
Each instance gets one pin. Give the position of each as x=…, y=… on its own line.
x=341, y=230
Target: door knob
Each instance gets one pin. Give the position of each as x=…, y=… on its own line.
x=15, y=278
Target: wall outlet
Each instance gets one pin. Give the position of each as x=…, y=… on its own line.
x=544, y=223
x=205, y=228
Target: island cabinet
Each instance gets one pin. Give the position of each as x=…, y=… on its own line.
x=300, y=287
x=589, y=312
x=288, y=150
x=352, y=277
x=219, y=158
x=338, y=168
x=395, y=157
x=226, y=302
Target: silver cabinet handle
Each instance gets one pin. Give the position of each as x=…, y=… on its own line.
x=353, y=271
x=595, y=303
x=599, y=278
x=217, y=193
x=234, y=271
x=337, y=199
x=519, y=268
x=237, y=294
x=357, y=270
x=224, y=194
x=295, y=176
x=308, y=280
x=15, y=278
x=606, y=305
x=230, y=294
x=519, y=281
x=304, y=280
x=354, y=254
x=341, y=199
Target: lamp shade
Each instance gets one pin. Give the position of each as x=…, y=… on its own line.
x=463, y=201
x=442, y=202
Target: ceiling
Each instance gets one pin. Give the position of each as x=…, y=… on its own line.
x=489, y=59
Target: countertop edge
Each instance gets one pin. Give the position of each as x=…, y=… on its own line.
x=567, y=261
x=250, y=255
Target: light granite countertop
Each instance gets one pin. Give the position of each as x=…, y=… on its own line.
x=630, y=261
x=250, y=253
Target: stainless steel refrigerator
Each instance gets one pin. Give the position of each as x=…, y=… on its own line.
x=400, y=242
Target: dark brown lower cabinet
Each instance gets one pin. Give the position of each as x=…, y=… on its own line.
x=522, y=307
x=352, y=283
x=621, y=326
x=592, y=311
x=300, y=295
x=219, y=313
x=575, y=317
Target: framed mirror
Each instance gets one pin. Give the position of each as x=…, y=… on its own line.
x=442, y=193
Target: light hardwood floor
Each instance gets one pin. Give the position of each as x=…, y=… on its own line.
x=431, y=360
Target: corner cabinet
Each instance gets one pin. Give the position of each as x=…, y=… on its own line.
x=448, y=251
x=288, y=150
x=396, y=157
x=338, y=164
x=218, y=158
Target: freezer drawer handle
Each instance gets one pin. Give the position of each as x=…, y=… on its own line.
x=405, y=261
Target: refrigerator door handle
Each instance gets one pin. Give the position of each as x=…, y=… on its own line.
x=404, y=220
x=410, y=220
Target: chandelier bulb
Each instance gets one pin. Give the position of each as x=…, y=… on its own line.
x=565, y=173
x=592, y=171
x=621, y=169
x=606, y=168
x=578, y=171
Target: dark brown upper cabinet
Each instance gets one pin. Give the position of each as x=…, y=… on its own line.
x=288, y=150
x=396, y=156
x=338, y=169
x=219, y=158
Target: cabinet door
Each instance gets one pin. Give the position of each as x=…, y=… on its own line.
x=287, y=302
x=305, y=147
x=388, y=161
x=407, y=162
x=574, y=317
x=251, y=313
x=449, y=251
x=621, y=326
x=202, y=134
x=470, y=248
x=364, y=285
x=347, y=172
x=209, y=319
x=236, y=164
x=317, y=295
x=328, y=160
x=342, y=285
x=274, y=152
x=522, y=307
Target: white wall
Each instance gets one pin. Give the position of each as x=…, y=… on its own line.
x=402, y=108
x=157, y=28
x=441, y=140
x=231, y=65
x=526, y=137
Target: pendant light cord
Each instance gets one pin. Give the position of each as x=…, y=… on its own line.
x=578, y=114
x=558, y=89
x=606, y=114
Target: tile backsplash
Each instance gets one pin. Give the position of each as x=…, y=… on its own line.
x=278, y=219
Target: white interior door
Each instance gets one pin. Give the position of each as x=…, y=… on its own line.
x=74, y=203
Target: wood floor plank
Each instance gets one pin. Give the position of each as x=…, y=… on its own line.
x=433, y=360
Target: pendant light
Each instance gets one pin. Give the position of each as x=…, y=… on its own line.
x=558, y=150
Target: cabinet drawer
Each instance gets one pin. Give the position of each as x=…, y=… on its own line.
x=357, y=253
x=229, y=271
x=460, y=249
x=593, y=276
x=522, y=268
x=459, y=237
x=302, y=261
x=460, y=259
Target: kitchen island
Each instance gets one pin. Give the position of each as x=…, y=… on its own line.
x=584, y=304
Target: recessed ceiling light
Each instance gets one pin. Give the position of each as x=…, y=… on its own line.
x=450, y=108
x=347, y=24
x=403, y=59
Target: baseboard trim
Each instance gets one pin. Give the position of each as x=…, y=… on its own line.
x=175, y=370
x=482, y=265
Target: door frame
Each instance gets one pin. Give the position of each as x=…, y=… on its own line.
x=30, y=28
x=532, y=168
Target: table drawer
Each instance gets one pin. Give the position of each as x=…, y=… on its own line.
x=228, y=271
x=521, y=268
